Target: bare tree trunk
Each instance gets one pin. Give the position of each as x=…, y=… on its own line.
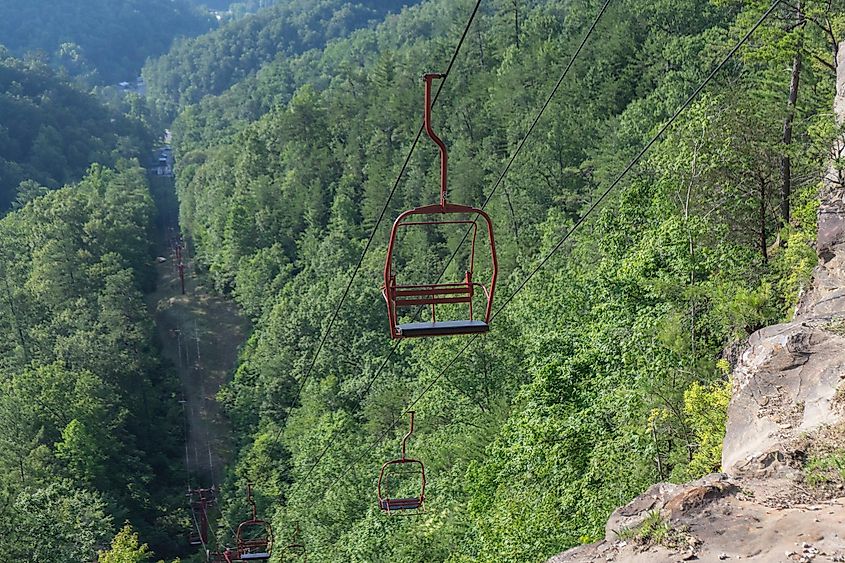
x=11, y=302
x=658, y=461
x=785, y=162
x=516, y=22
x=480, y=45
x=763, y=234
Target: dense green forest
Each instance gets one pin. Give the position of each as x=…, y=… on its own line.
x=607, y=373
x=50, y=132
x=212, y=63
x=89, y=424
x=90, y=432
x=101, y=41
x=235, y=9
x=606, y=367
x=217, y=117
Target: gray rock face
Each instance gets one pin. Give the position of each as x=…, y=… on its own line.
x=733, y=528
x=670, y=500
x=784, y=386
x=826, y=292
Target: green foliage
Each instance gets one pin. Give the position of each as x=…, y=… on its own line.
x=827, y=469
x=600, y=379
x=90, y=434
x=55, y=523
x=793, y=264
x=210, y=64
x=706, y=410
x=653, y=530
x=603, y=376
x=50, y=132
x=101, y=41
x=125, y=548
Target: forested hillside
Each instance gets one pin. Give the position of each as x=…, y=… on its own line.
x=90, y=426
x=604, y=373
x=652, y=171
x=89, y=430
x=215, y=118
x=103, y=41
x=50, y=132
x=210, y=64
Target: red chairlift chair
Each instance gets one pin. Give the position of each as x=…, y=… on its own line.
x=200, y=500
x=295, y=550
x=388, y=504
x=254, y=537
x=399, y=296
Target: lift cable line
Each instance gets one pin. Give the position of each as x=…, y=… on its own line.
x=680, y=110
x=188, y=478
x=501, y=178
x=382, y=213
x=531, y=128
x=361, y=397
x=181, y=332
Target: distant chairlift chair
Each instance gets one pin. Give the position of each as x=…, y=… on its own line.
x=295, y=550
x=416, y=503
x=200, y=500
x=399, y=296
x=254, y=537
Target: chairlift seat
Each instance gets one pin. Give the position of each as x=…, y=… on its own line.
x=385, y=502
x=442, y=328
x=400, y=503
x=252, y=547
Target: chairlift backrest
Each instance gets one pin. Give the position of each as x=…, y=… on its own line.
x=295, y=549
x=253, y=537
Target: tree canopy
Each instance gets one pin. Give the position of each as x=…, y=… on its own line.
x=51, y=132
x=210, y=64
x=90, y=430
x=103, y=41
x=606, y=373
x=607, y=365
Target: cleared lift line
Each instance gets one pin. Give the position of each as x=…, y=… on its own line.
x=501, y=178
x=680, y=110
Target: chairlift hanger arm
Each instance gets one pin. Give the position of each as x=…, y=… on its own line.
x=444, y=155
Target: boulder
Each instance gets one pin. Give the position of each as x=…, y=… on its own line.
x=784, y=386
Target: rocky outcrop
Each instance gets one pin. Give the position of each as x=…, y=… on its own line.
x=787, y=409
x=724, y=525
x=784, y=387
